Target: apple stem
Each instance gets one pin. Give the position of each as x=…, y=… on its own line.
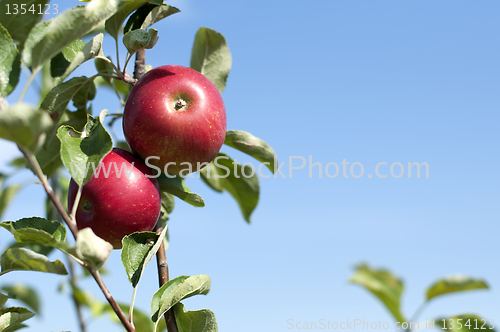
x=111, y=300
x=140, y=63
x=161, y=262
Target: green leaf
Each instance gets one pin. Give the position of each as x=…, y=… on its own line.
x=91, y=249
x=48, y=155
x=23, y=125
x=122, y=87
x=137, y=18
x=177, y=187
x=58, y=65
x=237, y=181
x=104, y=67
x=7, y=193
x=4, y=298
x=61, y=61
x=85, y=298
x=20, y=24
x=34, y=37
x=136, y=247
x=176, y=290
x=6, y=196
x=86, y=93
x=21, y=259
x=10, y=317
x=253, y=146
x=147, y=15
x=123, y=145
x=18, y=228
x=70, y=51
x=92, y=49
x=211, y=57
x=168, y=201
x=15, y=327
x=59, y=97
x=46, y=80
x=158, y=14
x=453, y=284
x=18, y=162
x=194, y=321
x=385, y=286
x=167, y=206
x=80, y=149
x=25, y=294
x=70, y=25
x=42, y=249
x=139, y=39
x=10, y=63
x=40, y=231
x=463, y=323
x=114, y=23
x=166, y=239
x=208, y=173
x=138, y=250
x=163, y=215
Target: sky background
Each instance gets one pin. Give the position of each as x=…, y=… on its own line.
x=365, y=81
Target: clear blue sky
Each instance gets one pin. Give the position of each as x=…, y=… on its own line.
x=366, y=81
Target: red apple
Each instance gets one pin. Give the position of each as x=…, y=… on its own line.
x=176, y=115
x=115, y=204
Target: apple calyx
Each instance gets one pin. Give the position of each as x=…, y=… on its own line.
x=180, y=104
x=87, y=206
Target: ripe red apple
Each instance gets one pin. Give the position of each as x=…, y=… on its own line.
x=113, y=203
x=175, y=113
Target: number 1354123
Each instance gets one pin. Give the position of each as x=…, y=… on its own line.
x=39, y=9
